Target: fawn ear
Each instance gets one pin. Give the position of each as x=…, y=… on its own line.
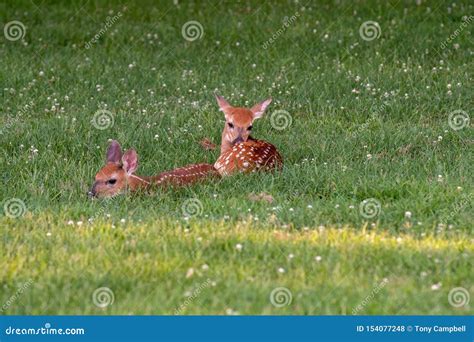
x=224, y=106
x=259, y=108
x=130, y=161
x=114, y=152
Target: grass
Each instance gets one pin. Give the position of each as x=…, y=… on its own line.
x=369, y=120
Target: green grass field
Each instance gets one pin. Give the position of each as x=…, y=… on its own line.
x=378, y=115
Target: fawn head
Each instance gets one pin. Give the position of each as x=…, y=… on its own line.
x=112, y=179
x=238, y=125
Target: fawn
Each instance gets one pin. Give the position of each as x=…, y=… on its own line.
x=117, y=176
x=239, y=151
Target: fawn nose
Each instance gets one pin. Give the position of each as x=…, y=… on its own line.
x=91, y=193
x=239, y=139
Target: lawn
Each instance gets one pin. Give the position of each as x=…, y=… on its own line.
x=371, y=214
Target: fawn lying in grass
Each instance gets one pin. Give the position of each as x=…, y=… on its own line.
x=239, y=151
x=117, y=176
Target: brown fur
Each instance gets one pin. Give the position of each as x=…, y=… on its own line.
x=239, y=152
x=121, y=169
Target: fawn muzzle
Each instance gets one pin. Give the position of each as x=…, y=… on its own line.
x=237, y=140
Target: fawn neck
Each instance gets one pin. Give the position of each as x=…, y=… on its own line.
x=226, y=145
x=139, y=182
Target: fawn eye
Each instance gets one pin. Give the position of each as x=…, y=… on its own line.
x=111, y=181
x=231, y=125
x=249, y=128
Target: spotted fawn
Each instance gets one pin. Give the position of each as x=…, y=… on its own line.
x=117, y=176
x=239, y=151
